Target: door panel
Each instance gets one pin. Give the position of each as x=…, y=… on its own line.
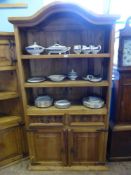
x=47, y=146
x=125, y=108
x=85, y=146
x=10, y=143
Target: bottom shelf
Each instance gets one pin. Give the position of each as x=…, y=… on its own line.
x=72, y=110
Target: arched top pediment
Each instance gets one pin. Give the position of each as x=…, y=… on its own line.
x=60, y=7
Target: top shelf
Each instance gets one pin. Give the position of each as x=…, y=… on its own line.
x=100, y=55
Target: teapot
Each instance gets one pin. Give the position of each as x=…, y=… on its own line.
x=86, y=49
x=34, y=49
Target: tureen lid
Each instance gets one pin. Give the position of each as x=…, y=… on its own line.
x=56, y=46
x=93, y=99
x=34, y=45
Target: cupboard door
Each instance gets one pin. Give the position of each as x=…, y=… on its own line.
x=86, y=146
x=10, y=145
x=124, y=112
x=47, y=146
x=120, y=147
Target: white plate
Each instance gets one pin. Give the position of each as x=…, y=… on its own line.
x=35, y=79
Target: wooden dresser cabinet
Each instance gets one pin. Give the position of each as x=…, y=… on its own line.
x=76, y=136
x=12, y=139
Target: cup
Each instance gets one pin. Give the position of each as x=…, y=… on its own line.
x=77, y=49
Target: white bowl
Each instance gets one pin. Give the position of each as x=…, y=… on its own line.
x=62, y=104
x=56, y=78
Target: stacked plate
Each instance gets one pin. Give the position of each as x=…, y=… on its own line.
x=62, y=104
x=93, y=102
x=43, y=101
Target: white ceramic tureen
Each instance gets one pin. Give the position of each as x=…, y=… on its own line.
x=72, y=75
x=35, y=49
x=93, y=102
x=57, y=49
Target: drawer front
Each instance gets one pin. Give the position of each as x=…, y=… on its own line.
x=80, y=120
x=46, y=120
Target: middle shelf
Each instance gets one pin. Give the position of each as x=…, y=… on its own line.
x=68, y=83
x=59, y=56
x=72, y=110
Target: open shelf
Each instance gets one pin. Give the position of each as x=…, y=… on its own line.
x=67, y=83
x=7, y=68
x=74, y=109
x=8, y=95
x=99, y=55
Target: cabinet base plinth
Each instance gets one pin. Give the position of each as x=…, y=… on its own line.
x=10, y=161
x=68, y=168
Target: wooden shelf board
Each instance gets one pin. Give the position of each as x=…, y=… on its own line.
x=6, y=120
x=72, y=110
x=7, y=68
x=8, y=95
x=100, y=55
x=67, y=83
x=6, y=33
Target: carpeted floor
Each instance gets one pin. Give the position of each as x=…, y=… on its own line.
x=115, y=168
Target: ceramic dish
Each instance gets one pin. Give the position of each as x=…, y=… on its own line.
x=57, y=49
x=43, y=101
x=92, y=78
x=35, y=79
x=72, y=75
x=56, y=78
x=34, y=49
x=93, y=102
x=62, y=104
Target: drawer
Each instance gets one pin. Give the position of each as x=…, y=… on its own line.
x=46, y=120
x=85, y=120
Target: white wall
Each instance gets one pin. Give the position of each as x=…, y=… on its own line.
x=33, y=6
